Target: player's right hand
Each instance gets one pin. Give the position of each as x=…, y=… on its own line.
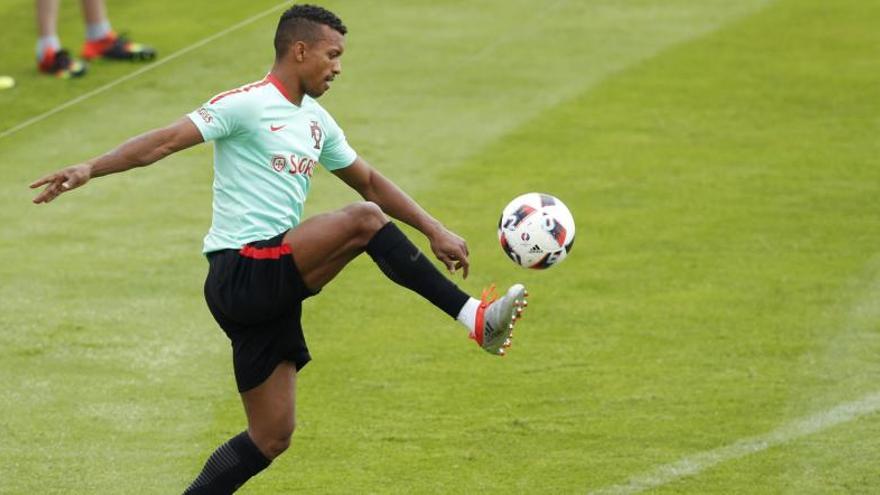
x=61, y=181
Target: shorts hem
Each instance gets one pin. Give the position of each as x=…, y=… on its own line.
x=299, y=361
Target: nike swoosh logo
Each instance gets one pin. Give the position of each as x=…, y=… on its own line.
x=273, y=128
x=415, y=256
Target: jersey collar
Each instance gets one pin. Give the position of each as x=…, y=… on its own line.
x=280, y=87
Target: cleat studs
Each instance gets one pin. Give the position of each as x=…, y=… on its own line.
x=510, y=326
x=525, y=293
x=525, y=304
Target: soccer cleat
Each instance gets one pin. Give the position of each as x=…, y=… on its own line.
x=60, y=64
x=495, y=321
x=117, y=47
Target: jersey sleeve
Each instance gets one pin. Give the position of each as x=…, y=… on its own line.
x=220, y=117
x=336, y=152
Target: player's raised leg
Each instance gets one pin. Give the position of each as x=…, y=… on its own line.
x=324, y=244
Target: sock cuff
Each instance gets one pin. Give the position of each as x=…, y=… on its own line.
x=249, y=451
x=386, y=239
x=98, y=30
x=45, y=42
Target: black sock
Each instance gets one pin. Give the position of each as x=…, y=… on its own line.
x=229, y=467
x=403, y=263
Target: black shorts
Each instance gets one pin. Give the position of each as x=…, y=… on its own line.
x=255, y=293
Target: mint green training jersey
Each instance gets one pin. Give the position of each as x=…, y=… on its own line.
x=265, y=152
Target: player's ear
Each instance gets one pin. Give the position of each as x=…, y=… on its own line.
x=299, y=51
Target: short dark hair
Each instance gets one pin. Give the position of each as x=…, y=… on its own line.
x=300, y=22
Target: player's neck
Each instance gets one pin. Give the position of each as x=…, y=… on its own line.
x=290, y=86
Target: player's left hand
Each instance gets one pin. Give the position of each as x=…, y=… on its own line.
x=451, y=250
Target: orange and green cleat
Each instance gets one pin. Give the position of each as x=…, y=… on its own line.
x=60, y=64
x=116, y=47
x=493, y=329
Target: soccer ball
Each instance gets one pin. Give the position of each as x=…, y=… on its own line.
x=536, y=230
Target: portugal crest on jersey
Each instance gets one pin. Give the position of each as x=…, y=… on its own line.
x=317, y=134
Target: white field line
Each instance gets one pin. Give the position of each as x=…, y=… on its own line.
x=697, y=463
x=146, y=68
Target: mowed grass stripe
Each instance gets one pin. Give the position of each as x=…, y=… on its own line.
x=727, y=192
x=491, y=70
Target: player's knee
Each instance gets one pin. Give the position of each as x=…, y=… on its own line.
x=369, y=213
x=367, y=218
x=277, y=442
x=279, y=445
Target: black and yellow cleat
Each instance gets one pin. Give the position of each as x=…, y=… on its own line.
x=60, y=64
x=117, y=47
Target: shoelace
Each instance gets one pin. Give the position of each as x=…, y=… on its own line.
x=488, y=297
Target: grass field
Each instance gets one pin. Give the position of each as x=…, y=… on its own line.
x=716, y=328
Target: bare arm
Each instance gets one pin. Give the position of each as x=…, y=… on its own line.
x=138, y=151
x=373, y=186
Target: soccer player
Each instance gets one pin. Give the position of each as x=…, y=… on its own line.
x=101, y=41
x=268, y=137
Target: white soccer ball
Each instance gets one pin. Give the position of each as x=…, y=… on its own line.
x=536, y=230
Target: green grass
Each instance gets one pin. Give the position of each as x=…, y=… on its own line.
x=722, y=165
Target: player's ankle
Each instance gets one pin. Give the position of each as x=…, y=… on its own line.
x=468, y=314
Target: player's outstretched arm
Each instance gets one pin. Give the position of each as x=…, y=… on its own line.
x=368, y=182
x=138, y=151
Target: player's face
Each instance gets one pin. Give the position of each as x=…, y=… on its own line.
x=323, y=62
